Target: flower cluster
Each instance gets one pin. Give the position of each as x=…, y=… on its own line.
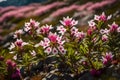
x=77, y=50
x=13, y=72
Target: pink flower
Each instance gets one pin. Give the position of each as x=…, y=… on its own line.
x=107, y=58
x=104, y=37
x=10, y=63
x=53, y=37
x=44, y=29
x=113, y=27
x=61, y=30
x=19, y=43
x=68, y=22
x=103, y=17
x=89, y=32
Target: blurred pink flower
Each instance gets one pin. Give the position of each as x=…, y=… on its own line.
x=18, y=33
x=100, y=4
x=80, y=35
x=104, y=37
x=113, y=27
x=118, y=29
x=46, y=8
x=107, y=58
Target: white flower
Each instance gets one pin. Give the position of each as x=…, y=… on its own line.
x=46, y=40
x=61, y=30
x=91, y=23
x=96, y=17
x=104, y=31
x=18, y=32
x=44, y=44
x=74, y=30
x=54, y=51
x=118, y=29
x=48, y=50
x=27, y=28
x=61, y=49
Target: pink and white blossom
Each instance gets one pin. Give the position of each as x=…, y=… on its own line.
x=48, y=50
x=102, y=17
x=104, y=31
x=68, y=22
x=61, y=30
x=32, y=24
x=80, y=35
x=61, y=49
x=44, y=29
x=19, y=43
x=107, y=58
x=97, y=17
x=44, y=44
x=74, y=30
x=54, y=51
x=113, y=27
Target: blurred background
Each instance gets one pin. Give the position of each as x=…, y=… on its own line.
x=14, y=13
